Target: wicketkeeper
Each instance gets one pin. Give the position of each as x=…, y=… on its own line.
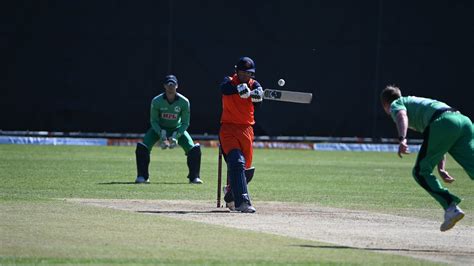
x=445, y=130
x=169, y=118
x=240, y=92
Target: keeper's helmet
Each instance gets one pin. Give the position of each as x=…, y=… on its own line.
x=245, y=64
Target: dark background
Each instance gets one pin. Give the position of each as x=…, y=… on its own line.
x=94, y=66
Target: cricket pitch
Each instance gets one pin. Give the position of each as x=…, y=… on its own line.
x=339, y=228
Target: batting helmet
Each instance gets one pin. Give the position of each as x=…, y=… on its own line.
x=245, y=64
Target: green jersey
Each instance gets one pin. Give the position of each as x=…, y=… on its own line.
x=171, y=116
x=419, y=110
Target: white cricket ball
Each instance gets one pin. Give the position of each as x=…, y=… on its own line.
x=281, y=82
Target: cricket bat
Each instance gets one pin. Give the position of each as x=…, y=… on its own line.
x=287, y=96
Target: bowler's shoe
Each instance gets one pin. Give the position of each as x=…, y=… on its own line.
x=452, y=215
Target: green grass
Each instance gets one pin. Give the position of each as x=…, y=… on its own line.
x=58, y=232
x=37, y=228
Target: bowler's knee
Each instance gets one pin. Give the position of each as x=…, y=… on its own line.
x=421, y=176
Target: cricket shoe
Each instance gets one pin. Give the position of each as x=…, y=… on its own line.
x=228, y=198
x=142, y=180
x=452, y=215
x=230, y=205
x=246, y=208
x=196, y=180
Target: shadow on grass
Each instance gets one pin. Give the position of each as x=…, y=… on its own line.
x=386, y=249
x=133, y=183
x=185, y=212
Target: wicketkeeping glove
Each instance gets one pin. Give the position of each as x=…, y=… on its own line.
x=173, y=141
x=243, y=90
x=164, y=144
x=257, y=95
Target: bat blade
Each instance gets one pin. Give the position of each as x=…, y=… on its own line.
x=287, y=96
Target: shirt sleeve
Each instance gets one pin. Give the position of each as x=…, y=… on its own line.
x=227, y=88
x=395, y=107
x=256, y=84
x=185, y=119
x=155, y=117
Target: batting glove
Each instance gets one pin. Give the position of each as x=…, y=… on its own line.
x=173, y=141
x=257, y=95
x=243, y=90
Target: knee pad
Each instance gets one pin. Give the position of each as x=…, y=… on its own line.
x=235, y=160
x=141, y=149
x=194, y=157
x=195, y=151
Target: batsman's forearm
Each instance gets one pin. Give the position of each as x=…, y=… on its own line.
x=228, y=89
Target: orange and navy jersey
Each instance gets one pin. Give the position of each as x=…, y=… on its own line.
x=236, y=110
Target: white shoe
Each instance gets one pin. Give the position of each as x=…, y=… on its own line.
x=452, y=215
x=246, y=208
x=141, y=180
x=196, y=180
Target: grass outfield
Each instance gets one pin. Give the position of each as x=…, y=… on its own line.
x=36, y=227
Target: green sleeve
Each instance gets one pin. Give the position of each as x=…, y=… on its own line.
x=185, y=118
x=155, y=117
x=396, y=106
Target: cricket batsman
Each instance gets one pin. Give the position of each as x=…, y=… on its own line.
x=445, y=130
x=169, y=119
x=240, y=93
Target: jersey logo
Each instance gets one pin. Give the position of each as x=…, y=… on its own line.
x=177, y=109
x=169, y=116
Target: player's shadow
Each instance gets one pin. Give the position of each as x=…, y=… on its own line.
x=185, y=212
x=146, y=184
x=374, y=249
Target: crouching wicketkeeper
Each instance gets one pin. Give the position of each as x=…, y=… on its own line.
x=169, y=118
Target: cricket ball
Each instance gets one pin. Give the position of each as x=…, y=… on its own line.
x=281, y=82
